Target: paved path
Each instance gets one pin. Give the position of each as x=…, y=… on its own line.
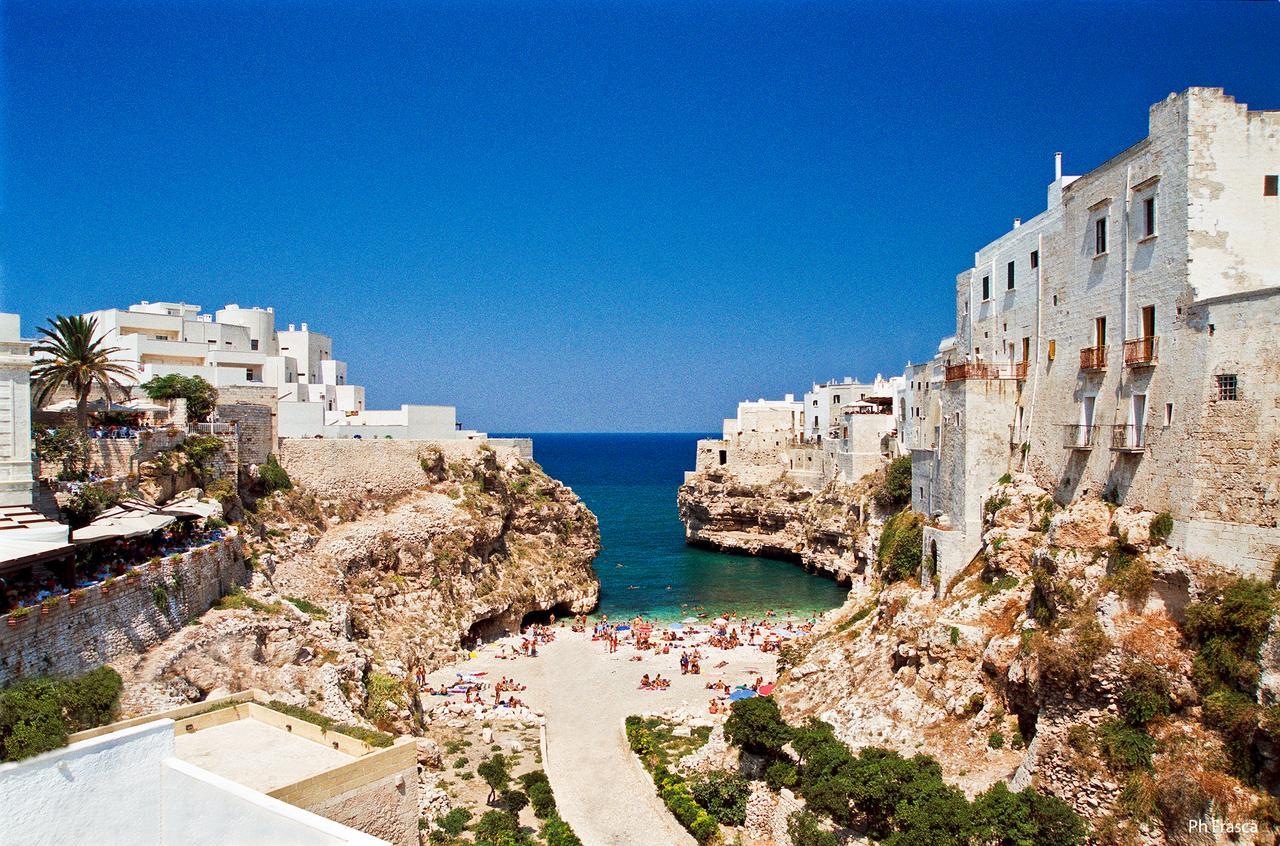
x=585, y=693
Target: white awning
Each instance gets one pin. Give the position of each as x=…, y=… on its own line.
x=27, y=536
x=190, y=507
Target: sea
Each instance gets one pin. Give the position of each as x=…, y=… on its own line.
x=630, y=482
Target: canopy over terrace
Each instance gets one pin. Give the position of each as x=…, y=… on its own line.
x=27, y=538
x=128, y=519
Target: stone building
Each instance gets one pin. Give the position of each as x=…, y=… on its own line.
x=1120, y=344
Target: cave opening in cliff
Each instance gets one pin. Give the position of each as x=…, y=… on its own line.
x=486, y=630
x=559, y=611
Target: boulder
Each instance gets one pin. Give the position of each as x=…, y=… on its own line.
x=1085, y=524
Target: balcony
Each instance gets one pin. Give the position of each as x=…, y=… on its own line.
x=1093, y=358
x=1079, y=436
x=983, y=370
x=1141, y=352
x=1126, y=437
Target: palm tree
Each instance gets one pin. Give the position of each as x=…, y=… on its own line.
x=77, y=358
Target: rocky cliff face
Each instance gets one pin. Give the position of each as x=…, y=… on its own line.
x=830, y=531
x=351, y=593
x=1062, y=658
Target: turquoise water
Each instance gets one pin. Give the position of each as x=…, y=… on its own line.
x=630, y=482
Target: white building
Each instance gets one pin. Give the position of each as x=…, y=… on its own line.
x=239, y=347
x=26, y=536
x=15, y=414
x=130, y=786
x=824, y=402
x=1121, y=343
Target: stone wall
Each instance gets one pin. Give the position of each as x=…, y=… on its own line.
x=125, y=618
x=255, y=428
x=354, y=468
x=376, y=794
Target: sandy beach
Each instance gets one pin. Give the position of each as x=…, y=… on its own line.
x=584, y=693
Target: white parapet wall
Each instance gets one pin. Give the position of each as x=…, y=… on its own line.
x=127, y=787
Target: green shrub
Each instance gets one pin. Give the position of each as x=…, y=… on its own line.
x=996, y=740
x=895, y=490
x=37, y=715
x=1145, y=695
x=382, y=694
x=309, y=608
x=804, y=830
x=1001, y=817
x=514, y=800
x=272, y=476
x=160, y=597
x=724, y=795
x=780, y=774
x=1161, y=527
x=556, y=832
x=756, y=725
x=455, y=822
x=901, y=546
x=1124, y=747
x=500, y=828
x=1227, y=627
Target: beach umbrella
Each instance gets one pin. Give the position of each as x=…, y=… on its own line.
x=741, y=693
x=623, y=628
x=766, y=689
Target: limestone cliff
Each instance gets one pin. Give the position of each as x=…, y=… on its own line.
x=354, y=589
x=830, y=531
x=1026, y=671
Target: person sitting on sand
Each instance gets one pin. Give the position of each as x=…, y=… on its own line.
x=645, y=684
x=695, y=668
x=715, y=706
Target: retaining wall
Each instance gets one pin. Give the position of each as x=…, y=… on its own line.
x=126, y=617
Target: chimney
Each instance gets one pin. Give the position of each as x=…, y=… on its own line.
x=1017, y=221
x=304, y=326
x=1057, y=166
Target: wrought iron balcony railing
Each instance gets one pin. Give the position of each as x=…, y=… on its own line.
x=1079, y=436
x=1141, y=352
x=1093, y=358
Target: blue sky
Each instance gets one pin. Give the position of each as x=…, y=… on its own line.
x=560, y=217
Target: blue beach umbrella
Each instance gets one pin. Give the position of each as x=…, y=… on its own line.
x=743, y=693
x=623, y=628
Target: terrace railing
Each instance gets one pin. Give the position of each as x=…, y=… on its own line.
x=1079, y=436
x=983, y=370
x=1093, y=358
x=1141, y=352
x=1126, y=437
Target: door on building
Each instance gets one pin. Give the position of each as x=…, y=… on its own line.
x=1100, y=331
x=1139, y=418
x=1149, y=321
x=1086, y=420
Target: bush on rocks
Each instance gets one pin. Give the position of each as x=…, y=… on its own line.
x=724, y=795
x=37, y=715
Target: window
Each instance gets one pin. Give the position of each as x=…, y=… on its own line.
x=1035, y=259
x=253, y=343
x=248, y=374
x=986, y=288
x=1011, y=273
x=1228, y=386
x=836, y=399
x=1271, y=185
x=1100, y=236
x=1100, y=331
x=1149, y=216
x=1168, y=414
